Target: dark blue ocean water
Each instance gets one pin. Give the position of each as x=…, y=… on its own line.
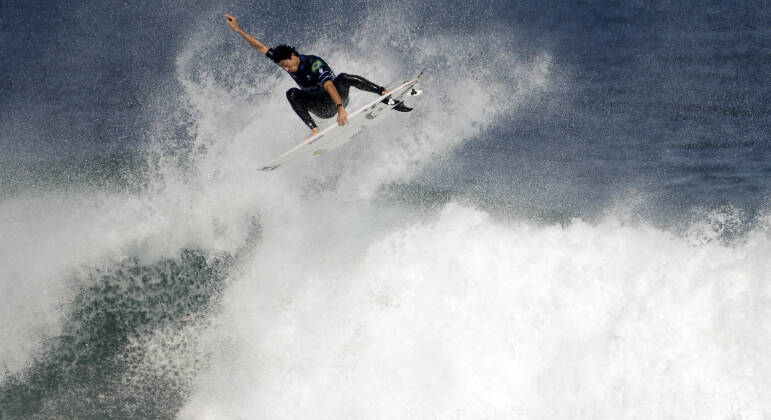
x=130, y=219
x=670, y=100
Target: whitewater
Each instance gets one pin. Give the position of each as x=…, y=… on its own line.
x=381, y=280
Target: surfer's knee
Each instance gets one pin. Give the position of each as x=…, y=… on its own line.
x=359, y=83
x=344, y=79
x=291, y=95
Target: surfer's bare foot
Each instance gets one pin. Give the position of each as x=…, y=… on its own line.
x=385, y=92
x=313, y=132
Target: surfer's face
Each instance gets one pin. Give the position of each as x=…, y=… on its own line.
x=290, y=64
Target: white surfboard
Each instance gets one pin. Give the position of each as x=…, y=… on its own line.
x=359, y=122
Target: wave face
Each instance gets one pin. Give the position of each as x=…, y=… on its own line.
x=573, y=222
x=118, y=348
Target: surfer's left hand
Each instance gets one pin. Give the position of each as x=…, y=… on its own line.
x=232, y=22
x=342, y=116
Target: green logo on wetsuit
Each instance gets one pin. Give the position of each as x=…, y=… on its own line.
x=316, y=65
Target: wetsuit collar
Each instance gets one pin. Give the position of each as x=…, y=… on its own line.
x=302, y=63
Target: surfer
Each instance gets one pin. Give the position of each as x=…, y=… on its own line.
x=321, y=92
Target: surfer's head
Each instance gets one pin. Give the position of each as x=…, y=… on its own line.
x=286, y=57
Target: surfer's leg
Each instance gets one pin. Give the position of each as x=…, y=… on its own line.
x=304, y=104
x=344, y=81
x=321, y=105
x=343, y=88
x=301, y=105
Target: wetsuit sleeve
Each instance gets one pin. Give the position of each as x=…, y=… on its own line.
x=269, y=53
x=322, y=70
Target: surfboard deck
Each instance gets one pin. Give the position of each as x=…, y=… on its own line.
x=359, y=121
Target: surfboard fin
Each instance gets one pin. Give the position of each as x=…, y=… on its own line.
x=396, y=105
x=401, y=107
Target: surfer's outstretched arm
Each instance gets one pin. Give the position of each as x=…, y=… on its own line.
x=254, y=42
x=342, y=115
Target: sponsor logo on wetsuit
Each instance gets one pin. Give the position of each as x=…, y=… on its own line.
x=312, y=72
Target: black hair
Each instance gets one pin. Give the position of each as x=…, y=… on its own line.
x=282, y=52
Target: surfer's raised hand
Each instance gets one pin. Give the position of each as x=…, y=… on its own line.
x=254, y=42
x=232, y=22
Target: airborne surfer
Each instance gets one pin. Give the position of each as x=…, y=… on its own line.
x=321, y=92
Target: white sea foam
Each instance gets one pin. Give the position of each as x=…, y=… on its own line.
x=465, y=317
x=354, y=308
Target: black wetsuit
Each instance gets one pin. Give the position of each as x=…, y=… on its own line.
x=312, y=97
